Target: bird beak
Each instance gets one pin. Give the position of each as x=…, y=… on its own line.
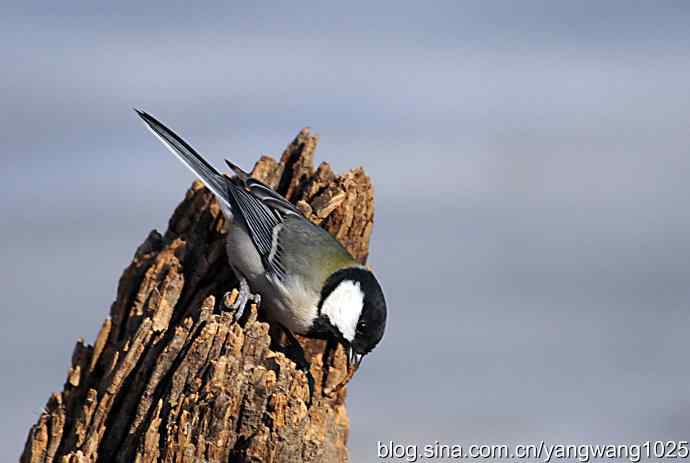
x=353, y=358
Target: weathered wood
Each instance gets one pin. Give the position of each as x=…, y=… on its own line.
x=170, y=376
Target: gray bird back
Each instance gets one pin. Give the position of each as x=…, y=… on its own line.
x=310, y=252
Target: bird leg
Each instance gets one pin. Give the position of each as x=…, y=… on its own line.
x=240, y=301
x=328, y=356
x=301, y=361
x=351, y=367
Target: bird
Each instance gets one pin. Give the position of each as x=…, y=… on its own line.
x=307, y=282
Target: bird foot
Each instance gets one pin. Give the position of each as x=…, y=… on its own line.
x=236, y=301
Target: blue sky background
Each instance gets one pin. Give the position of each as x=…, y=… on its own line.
x=531, y=162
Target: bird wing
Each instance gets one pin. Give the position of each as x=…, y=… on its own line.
x=263, y=192
x=264, y=212
x=262, y=223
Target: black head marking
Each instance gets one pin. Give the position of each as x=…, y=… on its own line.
x=372, y=320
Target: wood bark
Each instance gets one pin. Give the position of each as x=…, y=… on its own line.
x=170, y=377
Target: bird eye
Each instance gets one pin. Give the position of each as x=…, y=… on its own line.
x=361, y=326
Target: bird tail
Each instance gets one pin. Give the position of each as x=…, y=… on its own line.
x=241, y=174
x=213, y=179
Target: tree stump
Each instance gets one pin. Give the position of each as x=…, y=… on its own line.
x=170, y=376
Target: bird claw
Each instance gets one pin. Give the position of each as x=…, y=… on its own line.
x=332, y=392
x=312, y=384
x=236, y=301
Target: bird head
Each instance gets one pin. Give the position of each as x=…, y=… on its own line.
x=353, y=305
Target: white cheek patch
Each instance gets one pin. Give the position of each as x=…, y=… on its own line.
x=343, y=307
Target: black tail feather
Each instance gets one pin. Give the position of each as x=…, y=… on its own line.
x=193, y=160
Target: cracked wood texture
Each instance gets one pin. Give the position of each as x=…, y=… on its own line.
x=170, y=377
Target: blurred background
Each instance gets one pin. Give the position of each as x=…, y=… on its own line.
x=531, y=167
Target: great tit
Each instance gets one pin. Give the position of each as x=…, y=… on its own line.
x=307, y=280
